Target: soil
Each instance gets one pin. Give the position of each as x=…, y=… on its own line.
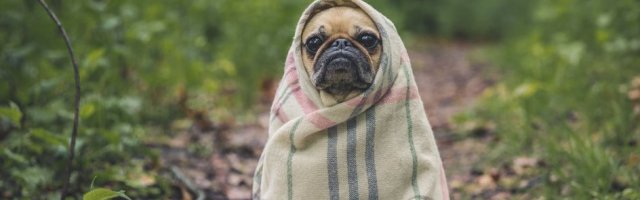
x=217, y=162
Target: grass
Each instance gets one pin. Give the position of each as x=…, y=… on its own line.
x=565, y=101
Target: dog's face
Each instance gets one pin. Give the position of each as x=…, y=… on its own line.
x=341, y=50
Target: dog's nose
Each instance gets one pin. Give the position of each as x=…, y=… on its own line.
x=341, y=43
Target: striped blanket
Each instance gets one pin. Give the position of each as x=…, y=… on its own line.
x=378, y=145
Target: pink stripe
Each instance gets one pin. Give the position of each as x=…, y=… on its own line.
x=292, y=82
x=292, y=78
x=290, y=60
x=355, y=101
x=395, y=95
x=404, y=57
x=398, y=95
x=443, y=183
x=277, y=107
x=320, y=121
x=305, y=103
x=279, y=112
x=288, y=69
x=282, y=116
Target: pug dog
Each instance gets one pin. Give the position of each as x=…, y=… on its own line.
x=323, y=145
x=341, y=52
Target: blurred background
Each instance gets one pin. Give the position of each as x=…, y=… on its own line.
x=528, y=98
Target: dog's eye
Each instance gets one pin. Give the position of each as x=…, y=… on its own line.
x=369, y=41
x=313, y=44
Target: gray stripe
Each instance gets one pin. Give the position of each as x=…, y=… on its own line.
x=292, y=150
x=370, y=155
x=351, y=158
x=388, y=64
x=332, y=163
x=386, y=54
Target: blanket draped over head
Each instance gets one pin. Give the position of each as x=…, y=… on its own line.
x=378, y=145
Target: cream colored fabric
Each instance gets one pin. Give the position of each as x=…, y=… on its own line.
x=378, y=145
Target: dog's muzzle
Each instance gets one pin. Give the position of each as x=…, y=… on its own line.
x=342, y=68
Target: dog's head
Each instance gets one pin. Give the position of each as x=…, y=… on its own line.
x=341, y=50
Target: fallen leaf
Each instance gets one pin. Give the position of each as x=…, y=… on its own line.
x=553, y=178
x=501, y=196
x=633, y=160
x=635, y=82
x=146, y=180
x=140, y=180
x=566, y=190
x=198, y=177
x=252, y=137
x=634, y=95
x=495, y=174
x=238, y=193
x=185, y=193
x=522, y=164
x=508, y=182
x=245, y=166
x=179, y=141
x=236, y=179
x=486, y=182
x=523, y=184
x=221, y=170
x=455, y=184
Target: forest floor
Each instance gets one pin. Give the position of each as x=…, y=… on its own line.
x=217, y=162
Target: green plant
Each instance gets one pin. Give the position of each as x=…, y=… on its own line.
x=563, y=97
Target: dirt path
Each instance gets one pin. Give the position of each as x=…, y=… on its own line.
x=448, y=81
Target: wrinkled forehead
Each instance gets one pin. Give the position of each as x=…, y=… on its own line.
x=341, y=19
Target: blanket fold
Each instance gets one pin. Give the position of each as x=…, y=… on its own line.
x=377, y=145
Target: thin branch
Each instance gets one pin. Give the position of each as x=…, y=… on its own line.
x=187, y=182
x=76, y=108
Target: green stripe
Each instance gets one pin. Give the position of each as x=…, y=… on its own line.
x=286, y=94
x=414, y=170
x=257, y=181
x=291, y=152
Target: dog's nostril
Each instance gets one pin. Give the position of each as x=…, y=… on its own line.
x=341, y=43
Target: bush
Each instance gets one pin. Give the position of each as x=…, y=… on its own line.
x=136, y=58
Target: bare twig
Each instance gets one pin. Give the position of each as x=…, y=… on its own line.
x=187, y=182
x=76, y=110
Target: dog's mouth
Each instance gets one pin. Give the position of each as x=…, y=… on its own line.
x=342, y=71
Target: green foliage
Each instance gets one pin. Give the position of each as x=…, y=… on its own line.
x=135, y=58
x=563, y=97
x=462, y=19
x=11, y=113
x=103, y=194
